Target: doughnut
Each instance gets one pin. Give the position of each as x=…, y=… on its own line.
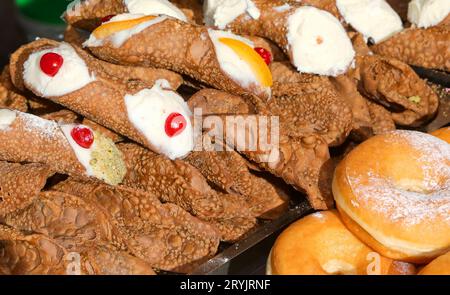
x=443, y=133
x=320, y=244
x=439, y=266
x=393, y=193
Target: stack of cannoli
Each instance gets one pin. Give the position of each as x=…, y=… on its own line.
x=110, y=151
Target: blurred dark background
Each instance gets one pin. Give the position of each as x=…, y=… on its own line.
x=11, y=36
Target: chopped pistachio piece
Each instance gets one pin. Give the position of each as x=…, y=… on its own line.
x=107, y=160
x=414, y=99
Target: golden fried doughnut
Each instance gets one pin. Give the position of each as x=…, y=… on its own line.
x=321, y=244
x=443, y=133
x=393, y=192
x=439, y=266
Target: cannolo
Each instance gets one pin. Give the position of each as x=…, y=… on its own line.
x=393, y=84
x=89, y=14
x=309, y=104
x=68, y=220
x=164, y=235
x=313, y=39
x=230, y=172
x=74, y=36
x=216, y=102
x=12, y=100
x=312, y=108
x=20, y=185
x=37, y=254
x=300, y=161
x=8, y=97
x=150, y=114
x=382, y=121
x=66, y=148
x=180, y=183
x=362, y=121
x=217, y=58
x=428, y=48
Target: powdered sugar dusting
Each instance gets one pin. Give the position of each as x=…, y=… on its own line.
x=45, y=128
x=426, y=200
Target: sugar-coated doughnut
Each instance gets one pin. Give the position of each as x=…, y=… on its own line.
x=393, y=192
x=320, y=244
x=439, y=266
x=443, y=133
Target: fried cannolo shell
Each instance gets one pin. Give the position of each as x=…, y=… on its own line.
x=230, y=171
x=9, y=98
x=70, y=221
x=216, y=102
x=101, y=260
x=394, y=84
x=164, y=235
x=312, y=108
x=36, y=254
x=32, y=139
x=362, y=122
x=382, y=121
x=428, y=48
x=87, y=14
x=28, y=255
x=303, y=163
x=20, y=185
x=180, y=183
x=178, y=46
x=74, y=36
x=101, y=101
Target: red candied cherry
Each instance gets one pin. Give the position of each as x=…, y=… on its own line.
x=175, y=124
x=51, y=63
x=83, y=136
x=107, y=18
x=265, y=54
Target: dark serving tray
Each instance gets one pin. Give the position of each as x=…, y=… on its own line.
x=249, y=255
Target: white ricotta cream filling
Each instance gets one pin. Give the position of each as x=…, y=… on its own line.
x=428, y=13
x=83, y=155
x=154, y=7
x=318, y=42
x=73, y=74
x=148, y=111
x=220, y=13
x=7, y=117
x=372, y=18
